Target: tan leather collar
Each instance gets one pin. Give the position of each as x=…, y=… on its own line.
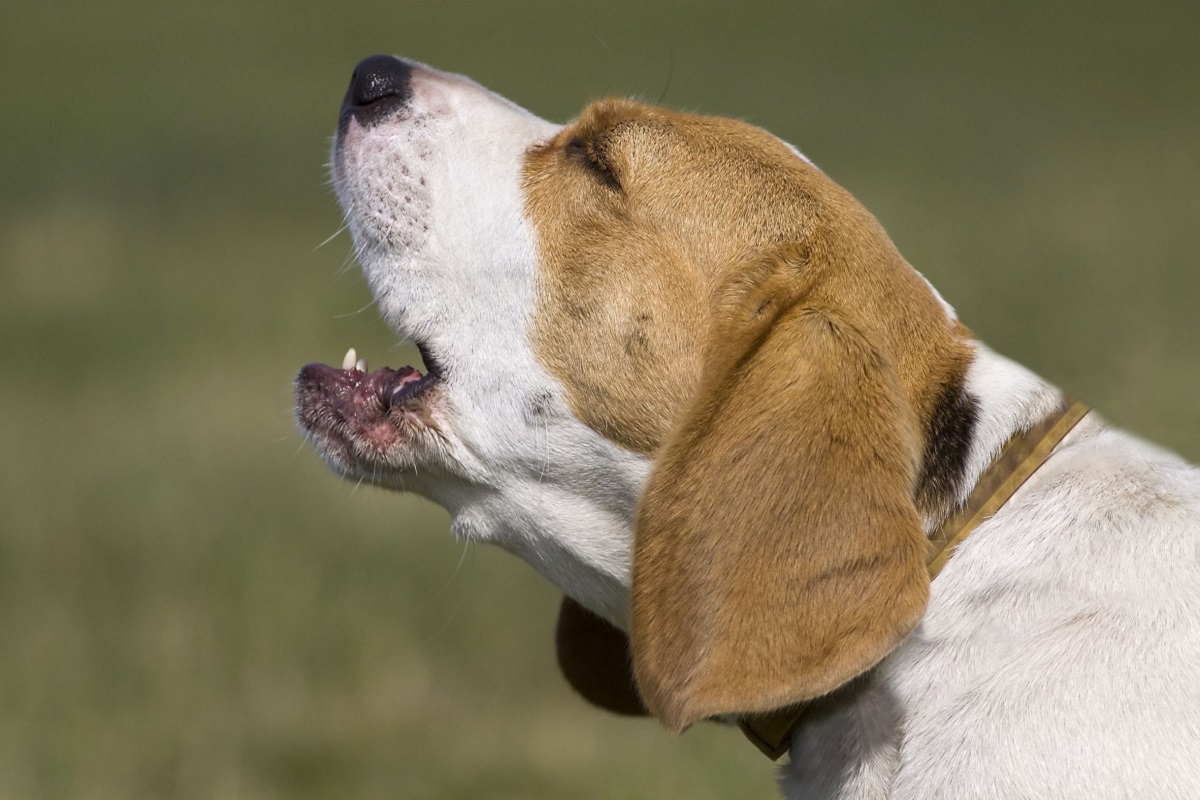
x=1022, y=455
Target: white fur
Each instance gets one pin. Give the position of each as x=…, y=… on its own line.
x=434, y=205
x=1060, y=655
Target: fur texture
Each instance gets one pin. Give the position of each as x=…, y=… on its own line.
x=813, y=585
x=688, y=378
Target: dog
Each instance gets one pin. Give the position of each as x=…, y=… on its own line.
x=688, y=378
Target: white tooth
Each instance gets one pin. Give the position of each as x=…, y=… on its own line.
x=361, y=366
x=348, y=361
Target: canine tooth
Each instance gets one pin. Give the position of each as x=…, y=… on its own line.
x=348, y=361
x=361, y=366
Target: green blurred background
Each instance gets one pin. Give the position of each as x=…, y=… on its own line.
x=191, y=606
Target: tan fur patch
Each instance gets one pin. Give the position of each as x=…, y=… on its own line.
x=712, y=300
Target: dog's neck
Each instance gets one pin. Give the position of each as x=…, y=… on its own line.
x=1009, y=399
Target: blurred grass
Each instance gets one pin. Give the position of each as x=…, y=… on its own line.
x=191, y=606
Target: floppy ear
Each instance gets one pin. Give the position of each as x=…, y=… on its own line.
x=595, y=659
x=779, y=553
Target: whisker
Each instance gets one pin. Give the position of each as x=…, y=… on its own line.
x=449, y=581
x=333, y=235
x=612, y=58
x=670, y=72
x=455, y=609
x=355, y=313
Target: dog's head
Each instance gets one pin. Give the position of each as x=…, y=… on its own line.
x=668, y=361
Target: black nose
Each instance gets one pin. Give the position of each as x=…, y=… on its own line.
x=379, y=86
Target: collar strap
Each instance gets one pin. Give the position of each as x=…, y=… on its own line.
x=1021, y=456
x=1019, y=459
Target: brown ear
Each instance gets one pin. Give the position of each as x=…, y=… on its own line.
x=779, y=553
x=595, y=659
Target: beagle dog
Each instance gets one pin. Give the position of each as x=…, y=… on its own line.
x=689, y=379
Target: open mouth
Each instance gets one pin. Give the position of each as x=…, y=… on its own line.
x=356, y=391
x=359, y=415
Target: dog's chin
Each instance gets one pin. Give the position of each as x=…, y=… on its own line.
x=369, y=425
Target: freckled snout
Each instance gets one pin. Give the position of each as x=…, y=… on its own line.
x=380, y=86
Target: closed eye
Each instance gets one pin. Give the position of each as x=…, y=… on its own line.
x=591, y=156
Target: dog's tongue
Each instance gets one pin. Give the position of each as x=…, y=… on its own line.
x=389, y=385
x=397, y=389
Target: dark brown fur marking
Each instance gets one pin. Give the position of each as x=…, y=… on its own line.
x=948, y=442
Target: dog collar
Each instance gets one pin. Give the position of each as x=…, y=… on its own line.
x=1020, y=458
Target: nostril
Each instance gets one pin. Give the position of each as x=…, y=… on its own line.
x=379, y=78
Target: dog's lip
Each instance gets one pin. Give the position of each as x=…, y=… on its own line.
x=357, y=393
x=366, y=415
